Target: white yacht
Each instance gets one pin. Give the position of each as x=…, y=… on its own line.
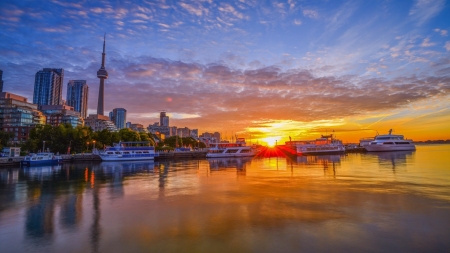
x=122, y=151
x=390, y=142
x=325, y=144
x=226, y=149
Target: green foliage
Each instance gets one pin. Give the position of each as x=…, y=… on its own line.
x=78, y=139
x=176, y=141
x=4, y=138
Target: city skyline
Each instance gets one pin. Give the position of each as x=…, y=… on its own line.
x=271, y=70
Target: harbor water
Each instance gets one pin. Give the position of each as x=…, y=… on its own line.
x=357, y=202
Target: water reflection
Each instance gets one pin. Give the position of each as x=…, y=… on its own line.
x=395, y=159
x=224, y=163
x=282, y=204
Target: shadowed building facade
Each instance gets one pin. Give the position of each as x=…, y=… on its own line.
x=18, y=116
x=48, y=85
x=1, y=80
x=77, y=96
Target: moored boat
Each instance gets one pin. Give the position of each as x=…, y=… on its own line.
x=43, y=158
x=326, y=144
x=390, y=142
x=124, y=151
x=226, y=149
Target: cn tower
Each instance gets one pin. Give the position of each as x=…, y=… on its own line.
x=102, y=74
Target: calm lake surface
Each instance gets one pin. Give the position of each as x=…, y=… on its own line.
x=373, y=202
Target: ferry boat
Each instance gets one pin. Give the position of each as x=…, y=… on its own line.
x=325, y=144
x=43, y=158
x=390, y=142
x=226, y=149
x=124, y=151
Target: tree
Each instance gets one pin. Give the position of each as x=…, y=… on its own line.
x=4, y=138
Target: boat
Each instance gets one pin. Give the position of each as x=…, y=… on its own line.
x=227, y=149
x=390, y=142
x=125, y=151
x=43, y=158
x=326, y=144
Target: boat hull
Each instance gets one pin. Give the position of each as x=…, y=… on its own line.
x=384, y=148
x=220, y=155
x=40, y=163
x=323, y=149
x=126, y=158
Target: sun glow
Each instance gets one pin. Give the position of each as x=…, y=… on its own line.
x=271, y=141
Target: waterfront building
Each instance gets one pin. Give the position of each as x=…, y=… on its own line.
x=61, y=114
x=128, y=125
x=77, y=96
x=163, y=119
x=1, y=80
x=99, y=122
x=157, y=129
x=173, y=131
x=18, y=116
x=138, y=127
x=102, y=74
x=216, y=136
x=194, y=133
x=119, y=117
x=184, y=132
x=48, y=84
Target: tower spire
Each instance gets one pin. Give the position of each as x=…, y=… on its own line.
x=102, y=74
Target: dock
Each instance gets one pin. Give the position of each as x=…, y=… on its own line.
x=180, y=154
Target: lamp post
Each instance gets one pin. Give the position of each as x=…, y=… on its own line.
x=68, y=149
x=43, y=146
x=87, y=146
x=93, y=146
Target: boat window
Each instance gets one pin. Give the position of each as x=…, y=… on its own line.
x=402, y=142
x=387, y=143
x=117, y=153
x=109, y=153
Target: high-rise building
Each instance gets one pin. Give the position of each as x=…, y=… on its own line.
x=1, y=80
x=18, y=116
x=77, y=96
x=48, y=84
x=102, y=74
x=194, y=133
x=163, y=119
x=217, y=136
x=119, y=117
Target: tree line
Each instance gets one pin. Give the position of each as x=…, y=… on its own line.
x=67, y=139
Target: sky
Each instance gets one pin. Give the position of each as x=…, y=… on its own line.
x=265, y=70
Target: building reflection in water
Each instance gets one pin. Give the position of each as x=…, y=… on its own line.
x=40, y=193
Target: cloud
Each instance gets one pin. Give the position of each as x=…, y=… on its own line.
x=310, y=14
x=426, y=43
x=198, y=10
x=447, y=45
x=424, y=10
x=297, y=22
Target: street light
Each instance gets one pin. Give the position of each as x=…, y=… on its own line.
x=93, y=146
x=87, y=146
x=68, y=149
